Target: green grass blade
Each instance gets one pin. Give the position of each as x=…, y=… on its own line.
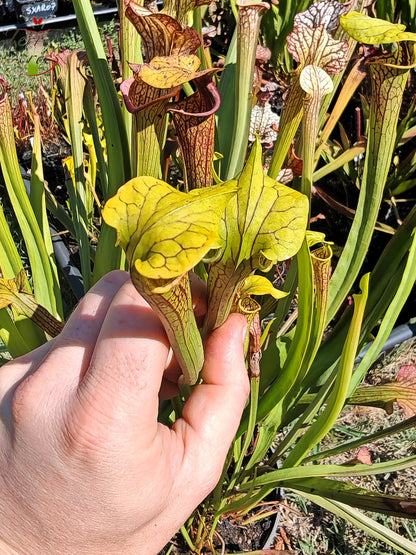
x=306, y=417
x=370, y=526
x=337, y=397
x=284, y=476
x=344, y=492
x=365, y=440
x=393, y=311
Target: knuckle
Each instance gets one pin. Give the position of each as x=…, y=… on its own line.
x=23, y=400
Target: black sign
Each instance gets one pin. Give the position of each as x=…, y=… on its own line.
x=38, y=11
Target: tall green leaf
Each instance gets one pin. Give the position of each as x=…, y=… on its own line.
x=45, y=282
x=108, y=257
x=388, y=80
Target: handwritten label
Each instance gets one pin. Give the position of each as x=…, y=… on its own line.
x=39, y=10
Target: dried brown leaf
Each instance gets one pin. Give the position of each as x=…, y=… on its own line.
x=406, y=377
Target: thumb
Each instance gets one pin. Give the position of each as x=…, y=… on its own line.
x=212, y=414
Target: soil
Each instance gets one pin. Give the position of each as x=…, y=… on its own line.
x=231, y=536
x=243, y=537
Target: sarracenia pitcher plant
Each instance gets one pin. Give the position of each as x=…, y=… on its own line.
x=239, y=226
x=165, y=180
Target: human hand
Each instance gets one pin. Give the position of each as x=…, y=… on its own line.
x=84, y=465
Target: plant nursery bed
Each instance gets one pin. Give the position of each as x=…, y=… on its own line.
x=308, y=529
x=231, y=536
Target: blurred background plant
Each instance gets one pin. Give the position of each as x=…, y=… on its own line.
x=331, y=98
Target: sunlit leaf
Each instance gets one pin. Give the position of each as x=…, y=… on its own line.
x=169, y=71
x=265, y=222
x=371, y=30
x=316, y=47
x=11, y=287
x=161, y=34
x=14, y=293
x=314, y=237
x=267, y=219
x=166, y=232
x=260, y=285
x=324, y=13
x=315, y=81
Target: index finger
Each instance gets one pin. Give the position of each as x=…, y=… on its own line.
x=121, y=385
